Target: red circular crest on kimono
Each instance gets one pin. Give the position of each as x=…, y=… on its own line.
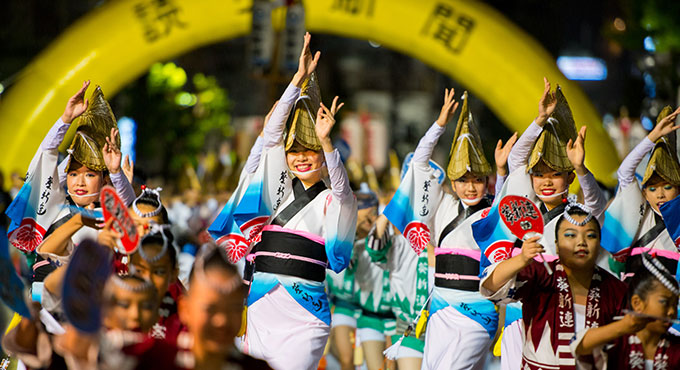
x=485, y=212
x=252, y=230
x=27, y=236
x=418, y=235
x=235, y=245
x=520, y=215
x=113, y=207
x=499, y=251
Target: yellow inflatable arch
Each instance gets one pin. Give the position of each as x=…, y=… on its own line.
x=467, y=40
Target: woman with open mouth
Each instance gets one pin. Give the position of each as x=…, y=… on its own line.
x=303, y=224
x=94, y=160
x=542, y=166
x=634, y=217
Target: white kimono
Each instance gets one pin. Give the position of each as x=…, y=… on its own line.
x=288, y=320
x=459, y=318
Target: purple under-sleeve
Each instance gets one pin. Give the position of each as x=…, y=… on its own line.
x=273, y=131
x=254, y=156
x=339, y=180
x=593, y=197
x=55, y=136
x=519, y=155
x=61, y=170
x=123, y=187
x=626, y=171
x=426, y=145
x=500, y=180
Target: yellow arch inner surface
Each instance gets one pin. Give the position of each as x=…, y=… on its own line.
x=467, y=40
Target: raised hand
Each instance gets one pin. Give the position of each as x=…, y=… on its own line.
x=547, y=104
x=502, y=153
x=128, y=168
x=325, y=120
x=531, y=248
x=307, y=63
x=576, y=152
x=665, y=127
x=449, y=107
x=76, y=105
x=111, y=152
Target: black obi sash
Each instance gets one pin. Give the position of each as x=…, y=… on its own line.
x=462, y=265
x=277, y=253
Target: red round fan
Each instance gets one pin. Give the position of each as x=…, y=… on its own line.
x=524, y=220
x=113, y=207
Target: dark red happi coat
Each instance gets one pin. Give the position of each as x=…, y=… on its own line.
x=548, y=302
x=627, y=354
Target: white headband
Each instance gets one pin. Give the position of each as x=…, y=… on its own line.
x=580, y=206
x=154, y=230
x=658, y=270
x=155, y=193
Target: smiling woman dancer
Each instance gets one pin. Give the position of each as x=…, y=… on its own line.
x=93, y=161
x=542, y=164
x=311, y=227
x=637, y=207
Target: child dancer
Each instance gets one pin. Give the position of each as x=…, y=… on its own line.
x=94, y=159
x=156, y=260
x=376, y=320
x=94, y=154
x=641, y=339
x=578, y=295
x=460, y=316
x=211, y=310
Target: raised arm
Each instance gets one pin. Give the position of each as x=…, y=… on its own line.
x=501, y=156
x=426, y=145
x=593, y=196
x=256, y=151
x=325, y=120
x=626, y=171
x=112, y=158
x=546, y=106
x=55, y=136
x=75, y=106
x=273, y=132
